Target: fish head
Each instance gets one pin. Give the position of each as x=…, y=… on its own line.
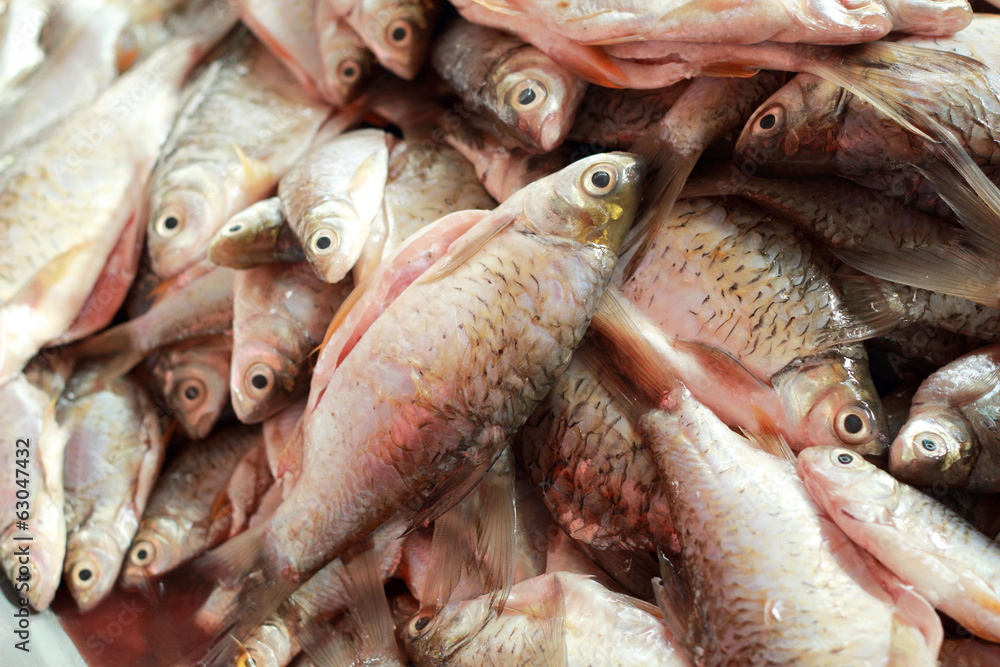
x=181, y=222
x=399, y=33
x=333, y=238
x=843, y=482
x=832, y=401
x=263, y=379
x=156, y=549
x=936, y=447
x=535, y=99
x=93, y=560
x=348, y=67
x=243, y=235
x=592, y=201
x=795, y=132
x=43, y=571
x=195, y=382
x=435, y=638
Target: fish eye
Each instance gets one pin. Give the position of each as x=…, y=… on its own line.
x=84, y=573
x=168, y=225
x=771, y=120
x=853, y=425
x=845, y=458
x=324, y=241
x=258, y=380
x=191, y=390
x=527, y=95
x=349, y=71
x=600, y=179
x=400, y=32
x=142, y=553
x=928, y=444
x=233, y=229
x=245, y=659
x=418, y=624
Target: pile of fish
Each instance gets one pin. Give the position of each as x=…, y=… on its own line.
x=507, y=331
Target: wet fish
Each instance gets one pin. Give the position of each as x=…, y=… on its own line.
x=332, y=194
x=288, y=30
x=37, y=449
x=587, y=461
x=558, y=618
x=925, y=544
x=615, y=119
x=112, y=461
x=398, y=32
x=182, y=517
x=747, y=300
x=193, y=378
x=280, y=314
x=347, y=65
x=528, y=96
x=66, y=199
x=951, y=435
x=582, y=214
x=243, y=126
x=257, y=235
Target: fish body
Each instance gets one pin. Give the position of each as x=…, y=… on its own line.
x=331, y=196
x=193, y=378
x=112, y=461
x=951, y=435
x=242, y=127
x=182, y=518
x=610, y=118
x=927, y=545
x=398, y=32
x=529, y=97
x=280, y=314
x=347, y=65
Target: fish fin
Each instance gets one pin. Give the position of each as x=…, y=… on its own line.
x=593, y=64
x=633, y=572
x=868, y=311
x=768, y=439
x=333, y=649
x=124, y=351
x=975, y=389
x=956, y=271
x=733, y=69
x=452, y=544
x=468, y=245
x=632, y=354
x=222, y=507
x=974, y=214
x=231, y=560
x=670, y=609
x=368, y=606
x=258, y=174
x=290, y=461
x=455, y=485
x=549, y=649
x=496, y=530
x=891, y=77
x=367, y=185
x=722, y=364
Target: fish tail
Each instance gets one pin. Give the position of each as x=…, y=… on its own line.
x=369, y=608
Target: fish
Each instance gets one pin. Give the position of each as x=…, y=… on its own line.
x=559, y=618
x=398, y=32
x=20, y=31
x=921, y=17
x=739, y=602
x=38, y=445
x=582, y=214
x=182, y=518
x=912, y=353
x=747, y=302
x=257, y=235
x=243, y=126
x=967, y=653
x=289, y=31
x=348, y=67
x=280, y=314
x=528, y=96
x=193, y=378
x=112, y=461
x=928, y=546
x=589, y=465
x=333, y=193
x=95, y=188
x=950, y=436
x=636, y=21
x=613, y=119
x=202, y=307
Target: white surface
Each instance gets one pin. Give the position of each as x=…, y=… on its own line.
x=49, y=645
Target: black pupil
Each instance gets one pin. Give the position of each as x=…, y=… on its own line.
x=85, y=575
x=349, y=72
x=601, y=179
x=141, y=554
x=422, y=623
x=235, y=228
x=399, y=34
x=191, y=393
x=323, y=242
x=171, y=222
x=259, y=381
x=929, y=445
x=853, y=424
x=767, y=122
x=845, y=458
x=526, y=96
